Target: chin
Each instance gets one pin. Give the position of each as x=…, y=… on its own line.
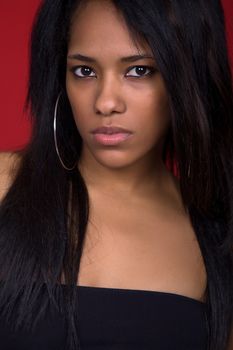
x=114, y=159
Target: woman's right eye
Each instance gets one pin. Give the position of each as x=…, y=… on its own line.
x=83, y=72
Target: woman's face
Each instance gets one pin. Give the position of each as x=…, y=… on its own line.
x=110, y=84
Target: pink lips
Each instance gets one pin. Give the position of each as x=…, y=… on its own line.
x=111, y=135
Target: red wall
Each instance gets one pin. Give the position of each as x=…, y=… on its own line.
x=15, y=25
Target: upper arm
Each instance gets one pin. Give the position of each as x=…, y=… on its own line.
x=9, y=162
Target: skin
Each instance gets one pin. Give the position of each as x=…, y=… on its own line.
x=139, y=235
x=116, y=95
x=162, y=253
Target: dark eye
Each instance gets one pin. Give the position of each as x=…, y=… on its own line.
x=83, y=71
x=140, y=71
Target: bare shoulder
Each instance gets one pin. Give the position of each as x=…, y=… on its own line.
x=9, y=164
x=230, y=344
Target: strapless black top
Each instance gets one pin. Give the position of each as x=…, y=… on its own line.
x=120, y=319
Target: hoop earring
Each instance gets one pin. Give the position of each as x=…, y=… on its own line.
x=55, y=135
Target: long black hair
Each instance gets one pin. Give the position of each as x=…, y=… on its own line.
x=44, y=214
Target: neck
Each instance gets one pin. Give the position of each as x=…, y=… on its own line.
x=139, y=178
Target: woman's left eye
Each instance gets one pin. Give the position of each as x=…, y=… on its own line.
x=140, y=71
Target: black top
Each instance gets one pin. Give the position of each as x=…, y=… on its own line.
x=120, y=319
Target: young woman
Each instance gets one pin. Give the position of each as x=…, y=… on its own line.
x=116, y=220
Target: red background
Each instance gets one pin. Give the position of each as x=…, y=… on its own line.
x=15, y=26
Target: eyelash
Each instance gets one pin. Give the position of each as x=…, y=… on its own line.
x=151, y=72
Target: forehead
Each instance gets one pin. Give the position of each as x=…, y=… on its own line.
x=97, y=25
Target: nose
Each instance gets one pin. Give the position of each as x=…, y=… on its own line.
x=109, y=97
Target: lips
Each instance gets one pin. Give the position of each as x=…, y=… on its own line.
x=111, y=135
x=109, y=130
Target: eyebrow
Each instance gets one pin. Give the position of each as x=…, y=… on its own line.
x=123, y=59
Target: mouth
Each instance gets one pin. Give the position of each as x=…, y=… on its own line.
x=111, y=136
x=109, y=130
x=111, y=140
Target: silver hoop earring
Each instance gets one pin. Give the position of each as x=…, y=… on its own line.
x=55, y=135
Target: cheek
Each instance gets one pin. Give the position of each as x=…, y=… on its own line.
x=80, y=105
x=153, y=115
